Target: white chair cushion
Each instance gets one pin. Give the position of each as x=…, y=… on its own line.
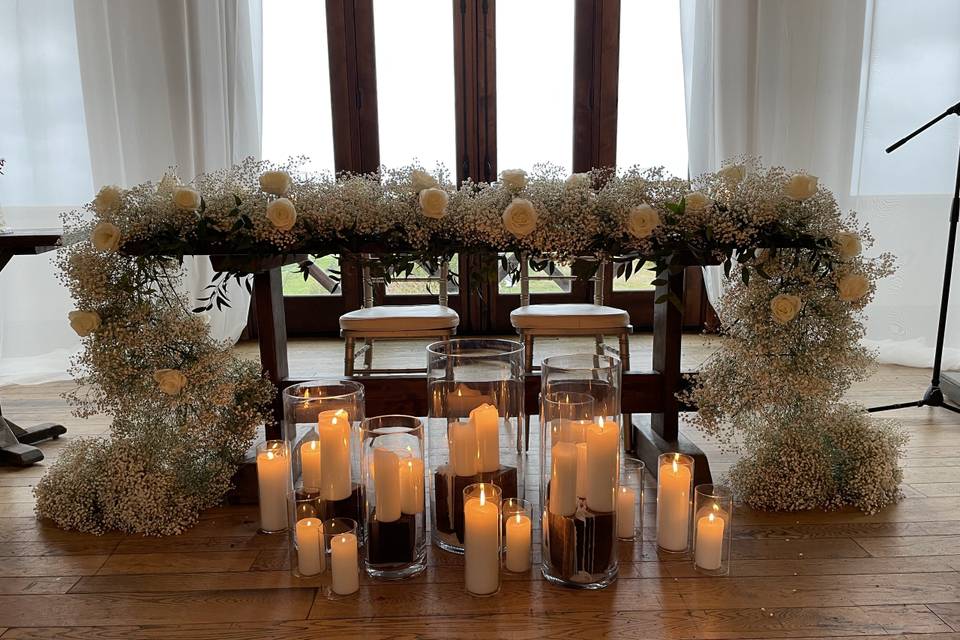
x=400, y=317
x=568, y=316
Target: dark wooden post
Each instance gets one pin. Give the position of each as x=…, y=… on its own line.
x=272, y=331
x=667, y=335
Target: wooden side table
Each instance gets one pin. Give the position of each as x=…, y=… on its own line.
x=15, y=441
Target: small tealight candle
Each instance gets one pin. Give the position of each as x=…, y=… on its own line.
x=343, y=564
x=310, y=559
x=673, y=501
x=519, y=534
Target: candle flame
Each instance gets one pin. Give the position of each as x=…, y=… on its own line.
x=716, y=507
x=314, y=444
x=410, y=464
x=309, y=524
x=269, y=455
x=600, y=423
x=482, y=496
x=343, y=539
x=675, y=466
x=711, y=517
x=518, y=517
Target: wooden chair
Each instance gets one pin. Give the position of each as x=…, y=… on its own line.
x=393, y=321
x=574, y=319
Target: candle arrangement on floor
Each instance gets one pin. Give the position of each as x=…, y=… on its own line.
x=630, y=501
x=517, y=534
x=273, y=484
x=476, y=420
x=674, y=486
x=481, y=542
x=712, y=521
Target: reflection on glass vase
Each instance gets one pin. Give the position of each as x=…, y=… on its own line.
x=476, y=425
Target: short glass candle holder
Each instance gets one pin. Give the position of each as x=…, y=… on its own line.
x=674, y=490
x=341, y=545
x=476, y=424
x=630, y=501
x=273, y=484
x=712, y=529
x=517, y=534
x=307, y=556
x=322, y=422
x=393, y=464
x=481, y=543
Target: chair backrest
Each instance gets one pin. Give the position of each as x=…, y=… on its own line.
x=525, y=278
x=370, y=263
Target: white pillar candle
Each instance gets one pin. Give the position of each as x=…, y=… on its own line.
x=519, y=532
x=310, y=559
x=487, y=423
x=411, y=485
x=334, y=429
x=273, y=477
x=563, y=479
x=463, y=448
x=481, y=545
x=603, y=444
x=310, y=464
x=386, y=484
x=709, y=541
x=343, y=563
x=626, y=512
x=582, y=469
x=572, y=430
x=673, y=505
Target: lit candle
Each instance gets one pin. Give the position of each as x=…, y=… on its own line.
x=273, y=477
x=411, y=485
x=463, y=448
x=487, y=423
x=386, y=484
x=481, y=545
x=309, y=558
x=626, y=512
x=673, y=505
x=334, y=429
x=310, y=464
x=582, y=469
x=519, y=532
x=343, y=563
x=709, y=540
x=563, y=479
x=603, y=444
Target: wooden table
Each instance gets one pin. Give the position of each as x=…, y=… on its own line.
x=16, y=441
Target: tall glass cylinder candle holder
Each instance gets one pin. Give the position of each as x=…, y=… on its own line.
x=307, y=556
x=322, y=422
x=580, y=424
x=342, y=547
x=481, y=543
x=712, y=529
x=630, y=501
x=476, y=424
x=393, y=465
x=517, y=534
x=674, y=489
x=273, y=484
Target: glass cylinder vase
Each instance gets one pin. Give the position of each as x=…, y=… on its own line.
x=630, y=501
x=273, y=484
x=674, y=486
x=322, y=423
x=476, y=425
x=580, y=443
x=712, y=529
x=341, y=542
x=481, y=547
x=307, y=556
x=393, y=465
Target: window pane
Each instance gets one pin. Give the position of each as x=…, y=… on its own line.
x=651, y=119
x=415, y=92
x=296, y=83
x=640, y=280
x=401, y=288
x=323, y=284
x=540, y=281
x=534, y=83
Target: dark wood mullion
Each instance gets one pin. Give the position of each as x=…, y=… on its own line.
x=596, y=69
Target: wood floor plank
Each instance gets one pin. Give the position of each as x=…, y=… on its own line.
x=154, y=582
x=949, y=613
x=910, y=546
x=934, y=489
x=32, y=566
x=88, y=546
x=37, y=584
x=196, y=562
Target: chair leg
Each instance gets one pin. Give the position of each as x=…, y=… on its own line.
x=625, y=351
x=528, y=352
x=368, y=353
x=348, y=355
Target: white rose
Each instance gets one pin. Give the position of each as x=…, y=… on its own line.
x=847, y=244
x=733, y=174
x=107, y=199
x=282, y=214
x=275, y=182
x=800, y=186
x=520, y=217
x=853, y=286
x=106, y=236
x=696, y=201
x=186, y=198
x=785, y=307
x=421, y=180
x=170, y=381
x=514, y=178
x=433, y=202
x=642, y=220
x=84, y=322
x=579, y=181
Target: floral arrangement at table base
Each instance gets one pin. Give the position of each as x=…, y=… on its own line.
x=184, y=407
x=774, y=391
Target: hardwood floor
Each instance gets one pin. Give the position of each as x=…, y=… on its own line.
x=797, y=575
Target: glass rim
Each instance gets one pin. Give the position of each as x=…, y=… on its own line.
x=507, y=348
x=414, y=426
x=349, y=526
x=710, y=490
x=582, y=399
x=497, y=494
x=275, y=444
x=554, y=362
x=681, y=458
x=291, y=391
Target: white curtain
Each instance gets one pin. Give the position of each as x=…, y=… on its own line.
x=163, y=83
x=824, y=86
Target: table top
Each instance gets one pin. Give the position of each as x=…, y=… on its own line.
x=29, y=241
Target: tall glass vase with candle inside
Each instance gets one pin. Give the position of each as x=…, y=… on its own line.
x=322, y=422
x=476, y=427
x=580, y=434
x=393, y=467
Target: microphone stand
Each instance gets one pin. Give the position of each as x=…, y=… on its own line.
x=934, y=394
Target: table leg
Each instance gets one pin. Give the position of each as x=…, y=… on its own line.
x=272, y=335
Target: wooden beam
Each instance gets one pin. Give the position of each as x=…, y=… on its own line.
x=596, y=63
x=272, y=332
